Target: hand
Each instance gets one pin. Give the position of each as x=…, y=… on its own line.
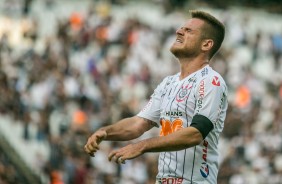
x=126, y=153
x=92, y=145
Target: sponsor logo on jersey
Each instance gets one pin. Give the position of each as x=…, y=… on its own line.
x=220, y=106
x=169, y=81
x=171, y=180
x=183, y=93
x=201, y=96
x=204, y=170
x=174, y=113
x=193, y=79
x=215, y=81
x=148, y=105
x=204, y=72
x=169, y=127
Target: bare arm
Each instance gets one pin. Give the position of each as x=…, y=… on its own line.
x=128, y=129
x=182, y=139
x=123, y=130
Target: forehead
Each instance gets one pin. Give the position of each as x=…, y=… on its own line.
x=194, y=23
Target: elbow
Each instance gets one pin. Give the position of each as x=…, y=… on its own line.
x=196, y=136
x=197, y=139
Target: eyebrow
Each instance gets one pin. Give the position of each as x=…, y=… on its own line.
x=187, y=28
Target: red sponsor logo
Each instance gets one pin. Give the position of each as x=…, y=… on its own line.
x=202, y=89
x=215, y=81
x=201, y=96
x=205, y=150
x=171, y=180
x=204, y=170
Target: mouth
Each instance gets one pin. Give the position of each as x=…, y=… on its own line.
x=178, y=40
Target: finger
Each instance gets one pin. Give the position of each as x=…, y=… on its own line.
x=90, y=150
x=117, y=158
x=92, y=154
x=93, y=146
x=112, y=156
x=121, y=160
x=92, y=143
x=93, y=140
x=86, y=149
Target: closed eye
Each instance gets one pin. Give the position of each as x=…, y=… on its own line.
x=186, y=29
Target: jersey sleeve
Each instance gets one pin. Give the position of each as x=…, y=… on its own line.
x=211, y=100
x=152, y=110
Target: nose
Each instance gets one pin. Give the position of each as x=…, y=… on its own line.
x=179, y=31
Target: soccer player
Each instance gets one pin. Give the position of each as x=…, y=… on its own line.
x=190, y=107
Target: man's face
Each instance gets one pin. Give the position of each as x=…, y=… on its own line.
x=188, y=39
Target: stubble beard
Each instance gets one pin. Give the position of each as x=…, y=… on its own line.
x=180, y=52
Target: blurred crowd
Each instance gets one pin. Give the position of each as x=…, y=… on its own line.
x=96, y=69
x=7, y=167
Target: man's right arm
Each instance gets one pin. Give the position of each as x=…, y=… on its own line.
x=124, y=130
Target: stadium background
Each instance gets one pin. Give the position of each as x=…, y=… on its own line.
x=68, y=67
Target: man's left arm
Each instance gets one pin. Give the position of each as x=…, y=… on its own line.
x=179, y=140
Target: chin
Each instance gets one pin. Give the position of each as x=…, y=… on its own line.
x=175, y=51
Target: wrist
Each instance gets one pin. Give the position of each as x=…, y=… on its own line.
x=144, y=146
x=103, y=134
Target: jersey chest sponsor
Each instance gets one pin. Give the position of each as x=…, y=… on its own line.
x=173, y=113
x=171, y=122
x=169, y=127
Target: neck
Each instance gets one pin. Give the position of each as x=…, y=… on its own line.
x=190, y=66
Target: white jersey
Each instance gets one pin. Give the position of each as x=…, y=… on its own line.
x=173, y=105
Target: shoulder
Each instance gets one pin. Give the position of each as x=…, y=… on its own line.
x=169, y=79
x=207, y=73
x=210, y=78
x=165, y=83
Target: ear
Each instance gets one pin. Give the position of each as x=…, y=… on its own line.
x=207, y=44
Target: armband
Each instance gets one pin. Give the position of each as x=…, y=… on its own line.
x=203, y=124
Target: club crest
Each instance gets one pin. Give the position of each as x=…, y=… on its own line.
x=183, y=93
